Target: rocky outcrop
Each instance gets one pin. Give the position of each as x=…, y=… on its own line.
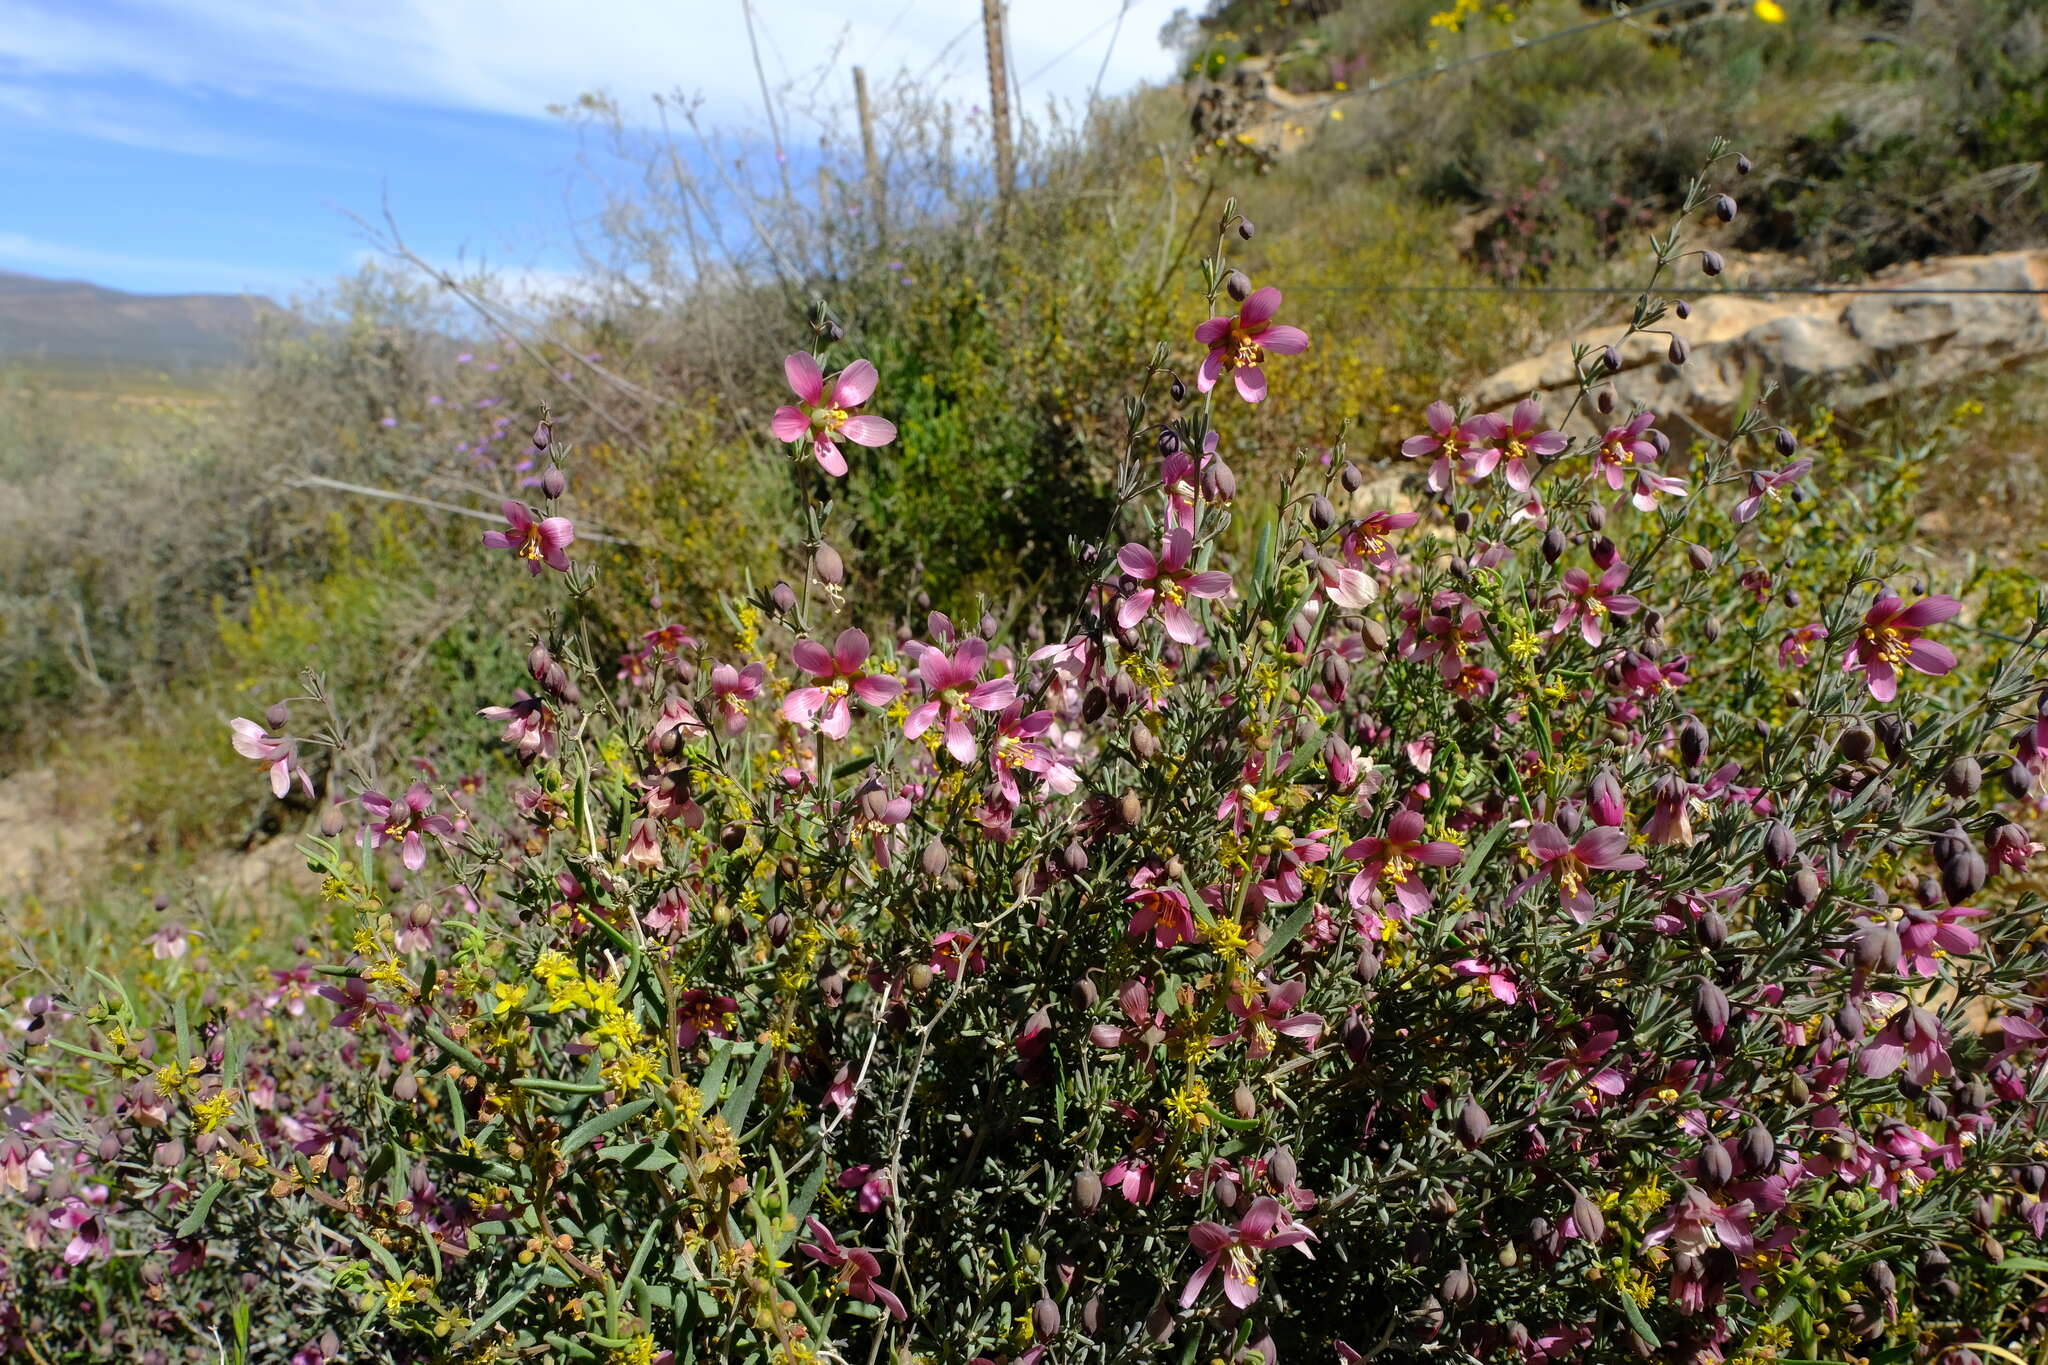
x=1929, y=324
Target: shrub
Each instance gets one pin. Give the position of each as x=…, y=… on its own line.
x=1581, y=912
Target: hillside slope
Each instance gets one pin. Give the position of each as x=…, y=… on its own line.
x=71, y=320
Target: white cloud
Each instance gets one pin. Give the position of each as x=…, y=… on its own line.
x=517, y=56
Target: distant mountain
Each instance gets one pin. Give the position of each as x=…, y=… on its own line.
x=72, y=321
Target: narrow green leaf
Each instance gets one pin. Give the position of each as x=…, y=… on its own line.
x=593, y=1128
x=192, y=1222
x=735, y=1111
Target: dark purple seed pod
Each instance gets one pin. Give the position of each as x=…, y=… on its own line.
x=1711, y=263
x=1461, y=522
x=1963, y=778
x=1779, y=846
x=1553, y=545
x=1856, y=743
x=2033, y=1178
x=1074, y=858
x=1045, y=1318
x=1785, y=442
x=1849, y=1021
x=1716, y=1167
x=779, y=926
x=1351, y=477
x=1963, y=876
x=1710, y=1010
x=1238, y=285
x=1322, y=513
x=1932, y=1265
x=1167, y=442
x=1682, y=309
x=1743, y=165
x=1700, y=557
x=1179, y=391
x=1596, y=516
x=1676, y=352
x=1091, y=1316
x=1355, y=1033
x=1472, y=1123
x=1724, y=207
x=1244, y=228
x=1610, y=359
x=828, y=566
x=1225, y=1192
x=1712, y=930
x=1588, y=1219
x=1891, y=732
x=1603, y=401
x=1692, y=742
x=553, y=482
x=1367, y=968
x=1281, y=1166
x=1803, y=889
x=1758, y=1148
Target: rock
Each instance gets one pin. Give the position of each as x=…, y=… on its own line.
x=1853, y=349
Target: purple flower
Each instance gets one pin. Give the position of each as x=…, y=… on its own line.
x=1265, y=1227
x=538, y=541
x=276, y=752
x=1890, y=639
x=856, y=1269
x=1164, y=581
x=841, y=672
x=403, y=821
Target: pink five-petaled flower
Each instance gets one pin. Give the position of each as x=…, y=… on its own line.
x=1567, y=863
x=1929, y=935
x=1765, y=486
x=1165, y=582
x=950, y=690
x=1890, y=637
x=1498, y=980
x=1269, y=1010
x=1589, y=601
x=1018, y=746
x=732, y=688
x=1265, y=1227
x=856, y=1269
x=1366, y=540
x=1239, y=344
x=1446, y=439
x=840, y=671
x=278, y=753
x=1623, y=451
x=529, y=725
x=1520, y=436
x=1163, y=912
x=1391, y=865
x=403, y=821
x=538, y=541
x=824, y=420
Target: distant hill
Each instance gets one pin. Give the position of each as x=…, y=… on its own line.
x=72, y=321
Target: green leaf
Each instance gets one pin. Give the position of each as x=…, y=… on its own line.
x=735, y=1111
x=713, y=1079
x=591, y=1129
x=1636, y=1320
x=522, y=1284
x=190, y=1224
x=801, y=1209
x=1289, y=927
x=639, y=1156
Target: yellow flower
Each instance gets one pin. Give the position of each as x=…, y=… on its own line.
x=209, y=1114
x=552, y=966
x=1185, y=1105
x=510, y=995
x=1227, y=939
x=1770, y=11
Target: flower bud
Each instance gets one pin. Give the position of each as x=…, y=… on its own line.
x=406, y=1088
x=1963, y=777
x=332, y=821
x=1717, y=1168
x=1692, y=741
x=1144, y=743
x=1676, y=352
x=1087, y=1190
x=1610, y=357
x=1457, y=1289
x=1588, y=1219
x=1712, y=930
x=1045, y=1318
x=1848, y=1021
x=1710, y=1011
x=1553, y=545
x=1472, y=1123
x=1351, y=477
x=783, y=598
x=1743, y=165
x=1355, y=1033
x=1758, y=1148
x=2033, y=1178
x=1876, y=946
x=1596, y=516
x=1225, y=1192
x=1779, y=846
x=1856, y=743
x=1074, y=858
x=1322, y=514
x=1786, y=442
x=1168, y=442
x=1219, y=482
x=543, y=434
x=1244, y=228
x=1367, y=968
x=277, y=716
x=1891, y=732
x=1237, y=285
x=1711, y=263
x=1159, y=1321
x=828, y=566
x=934, y=860
x=1604, y=798
x=1700, y=557
x=1179, y=391
x=169, y=1154
x=553, y=482
x=1724, y=207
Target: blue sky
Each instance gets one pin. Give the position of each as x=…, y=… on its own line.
x=219, y=145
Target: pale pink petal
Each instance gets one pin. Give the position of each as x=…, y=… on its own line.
x=1284, y=340
x=806, y=380
x=869, y=431
x=855, y=383
x=1260, y=306
x=1251, y=383
x=829, y=458
x=1214, y=330
x=1138, y=561
x=789, y=424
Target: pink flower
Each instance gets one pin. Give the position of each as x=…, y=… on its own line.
x=403, y=821
x=1499, y=981
x=529, y=725
x=1018, y=746
x=732, y=688
x=1164, y=581
x=1914, y=1039
x=1446, y=439
x=840, y=672
x=1366, y=540
x=537, y=541
x=1890, y=637
x=643, y=848
x=873, y=1185
x=1763, y=486
x=1391, y=865
x=1928, y=936
x=856, y=1268
x=1623, y=452
x=1269, y=1010
x=1265, y=1227
x=1239, y=344
x=89, y=1238
x=1797, y=646
x=953, y=947
x=1520, y=439
x=1163, y=912
x=1567, y=863
x=821, y=420
x=275, y=752
x=1588, y=601
x=951, y=692
x=1136, y=1003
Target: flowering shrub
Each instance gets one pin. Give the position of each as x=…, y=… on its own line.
x=1524, y=926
